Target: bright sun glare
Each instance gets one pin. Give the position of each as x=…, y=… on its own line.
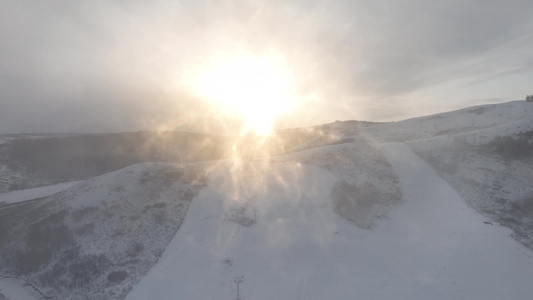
x=256, y=90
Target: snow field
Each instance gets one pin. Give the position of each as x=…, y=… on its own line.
x=16, y=289
x=431, y=247
x=478, y=124
x=461, y=254
x=40, y=192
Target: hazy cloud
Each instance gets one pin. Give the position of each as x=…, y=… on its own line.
x=118, y=65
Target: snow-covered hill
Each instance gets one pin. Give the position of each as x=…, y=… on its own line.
x=484, y=152
x=485, y=158
x=431, y=247
x=482, y=122
x=418, y=209
x=97, y=239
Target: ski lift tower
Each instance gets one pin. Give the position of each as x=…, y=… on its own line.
x=238, y=280
x=255, y=214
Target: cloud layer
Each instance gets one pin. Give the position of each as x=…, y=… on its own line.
x=100, y=66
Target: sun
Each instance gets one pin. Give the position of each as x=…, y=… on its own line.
x=256, y=90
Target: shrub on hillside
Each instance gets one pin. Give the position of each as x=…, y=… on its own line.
x=510, y=146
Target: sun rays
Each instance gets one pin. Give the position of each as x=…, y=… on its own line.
x=256, y=90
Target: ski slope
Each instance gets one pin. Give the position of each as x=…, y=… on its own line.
x=34, y=193
x=431, y=247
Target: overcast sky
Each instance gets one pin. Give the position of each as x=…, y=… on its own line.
x=117, y=65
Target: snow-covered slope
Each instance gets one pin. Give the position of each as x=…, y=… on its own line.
x=497, y=186
x=366, y=188
x=484, y=121
x=345, y=215
x=491, y=164
x=29, y=194
x=96, y=240
x=99, y=237
x=482, y=152
x=431, y=247
x=12, y=288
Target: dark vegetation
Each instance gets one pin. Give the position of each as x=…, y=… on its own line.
x=529, y=98
x=477, y=111
x=520, y=146
x=84, y=156
x=42, y=241
x=355, y=203
x=523, y=207
x=50, y=242
x=290, y=140
x=47, y=160
x=117, y=276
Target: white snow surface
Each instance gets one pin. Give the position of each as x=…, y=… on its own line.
x=430, y=247
x=29, y=194
x=478, y=124
x=16, y=289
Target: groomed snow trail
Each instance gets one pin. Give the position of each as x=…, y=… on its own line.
x=39, y=192
x=458, y=256
x=431, y=247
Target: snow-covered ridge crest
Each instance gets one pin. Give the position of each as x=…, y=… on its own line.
x=483, y=121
